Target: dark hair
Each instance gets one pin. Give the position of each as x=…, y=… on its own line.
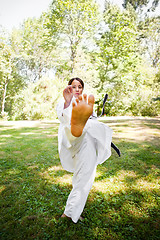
x=78, y=79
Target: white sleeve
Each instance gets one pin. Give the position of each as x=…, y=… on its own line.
x=64, y=115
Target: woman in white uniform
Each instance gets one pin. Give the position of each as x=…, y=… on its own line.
x=83, y=143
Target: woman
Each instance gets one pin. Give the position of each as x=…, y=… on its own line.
x=82, y=143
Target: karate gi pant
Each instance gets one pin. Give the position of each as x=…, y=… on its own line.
x=81, y=156
x=85, y=162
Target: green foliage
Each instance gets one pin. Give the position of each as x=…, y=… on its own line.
x=118, y=45
x=150, y=39
x=116, y=52
x=74, y=21
x=124, y=74
x=144, y=106
x=5, y=72
x=38, y=100
x=30, y=42
x=10, y=80
x=139, y=4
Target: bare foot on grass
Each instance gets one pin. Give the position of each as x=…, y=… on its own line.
x=65, y=216
x=80, y=114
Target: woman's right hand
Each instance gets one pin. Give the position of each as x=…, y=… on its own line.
x=68, y=95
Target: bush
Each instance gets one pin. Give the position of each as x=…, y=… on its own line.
x=38, y=100
x=150, y=109
x=4, y=116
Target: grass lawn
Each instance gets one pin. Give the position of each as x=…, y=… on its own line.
x=123, y=203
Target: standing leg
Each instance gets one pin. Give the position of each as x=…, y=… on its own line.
x=83, y=178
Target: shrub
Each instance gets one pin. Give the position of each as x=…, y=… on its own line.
x=38, y=100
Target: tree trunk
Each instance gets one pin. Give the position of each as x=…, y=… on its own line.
x=73, y=47
x=4, y=97
x=73, y=57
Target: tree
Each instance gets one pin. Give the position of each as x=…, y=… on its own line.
x=122, y=70
x=38, y=100
x=31, y=43
x=150, y=39
x=5, y=73
x=118, y=45
x=10, y=80
x=73, y=21
x=139, y=4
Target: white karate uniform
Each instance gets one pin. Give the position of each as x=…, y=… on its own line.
x=81, y=155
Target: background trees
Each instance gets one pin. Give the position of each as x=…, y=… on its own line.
x=38, y=100
x=140, y=4
x=123, y=71
x=10, y=80
x=74, y=22
x=114, y=52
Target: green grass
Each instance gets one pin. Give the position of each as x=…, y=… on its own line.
x=123, y=203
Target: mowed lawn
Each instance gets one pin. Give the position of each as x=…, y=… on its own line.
x=124, y=202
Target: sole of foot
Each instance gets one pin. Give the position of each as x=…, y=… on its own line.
x=81, y=111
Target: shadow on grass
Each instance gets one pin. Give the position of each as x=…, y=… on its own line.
x=123, y=203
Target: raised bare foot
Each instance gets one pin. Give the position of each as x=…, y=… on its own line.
x=80, y=114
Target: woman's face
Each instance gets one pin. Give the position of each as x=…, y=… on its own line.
x=77, y=88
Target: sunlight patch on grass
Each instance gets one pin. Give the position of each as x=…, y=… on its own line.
x=140, y=133
x=44, y=126
x=19, y=124
x=55, y=168
x=56, y=174
x=66, y=179
x=108, y=186
x=29, y=133
x=134, y=130
x=117, y=124
x=99, y=173
x=46, y=132
x=52, y=135
x=114, y=184
x=6, y=136
x=125, y=180
x=122, y=174
x=143, y=185
x=46, y=176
